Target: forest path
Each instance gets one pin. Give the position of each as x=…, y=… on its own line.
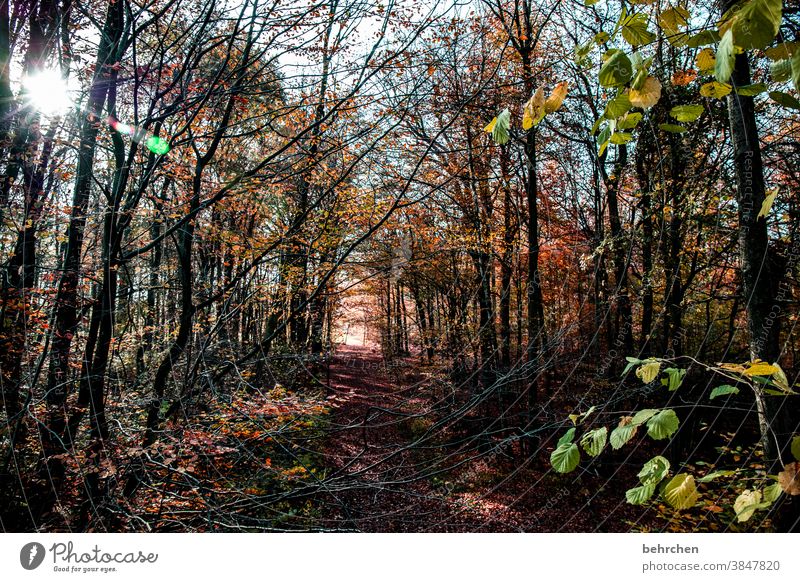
x=384, y=479
x=368, y=454
x=381, y=478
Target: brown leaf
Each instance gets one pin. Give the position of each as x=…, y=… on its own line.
x=789, y=479
x=683, y=78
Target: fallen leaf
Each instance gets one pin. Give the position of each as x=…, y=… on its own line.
x=789, y=479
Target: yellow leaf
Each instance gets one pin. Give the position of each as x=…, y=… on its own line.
x=648, y=95
x=746, y=504
x=648, y=372
x=556, y=98
x=715, y=90
x=706, y=60
x=767, y=204
x=759, y=368
x=681, y=491
x=490, y=127
x=534, y=111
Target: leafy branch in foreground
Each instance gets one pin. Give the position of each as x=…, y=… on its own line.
x=681, y=492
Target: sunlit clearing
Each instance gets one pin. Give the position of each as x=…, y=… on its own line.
x=47, y=92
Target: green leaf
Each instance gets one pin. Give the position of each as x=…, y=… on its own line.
x=565, y=458
x=781, y=70
x=686, y=113
x=672, y=128
x=617, y=70
x=784, y=99
x=634, y=30
x=796, y=447
x=751, y=90
x=772, y=492
x=681, y=491
x=621, y=435
x=629, y=121
x=796, y=70
x=576, y=418
x=654, y=471
x=640, y=495
x=604, y=134
x=713, y=475
x=500, y=133
x=567, y=437
x=601, y=37
x=603, y=140
x=618, y=106
x=620, y=138
x=725, y=58
x=639, y=79
x=643, y=416
x=723, y=390
x=703, y=38
x=674, y=378
x=663, y=425
x=632, y=362
x=754, y=23
x=594, y=441
x=672, y=20
x=582, y=51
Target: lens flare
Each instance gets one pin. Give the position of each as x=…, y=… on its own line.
x=155, y=144
x=47, y=92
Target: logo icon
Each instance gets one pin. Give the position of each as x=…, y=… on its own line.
x=31, y=555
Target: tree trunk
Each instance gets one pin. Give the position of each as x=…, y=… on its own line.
x=623, y=332
x=778, y=416
x=66, y=301
x=506, y=264
x=536, y=330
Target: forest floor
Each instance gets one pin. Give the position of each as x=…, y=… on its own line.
x=394, y=463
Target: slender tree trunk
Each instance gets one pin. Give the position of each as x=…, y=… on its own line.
x=647, y=255
x=506, y=264
x=536, y=329
x=623, y=332
x=486, y=331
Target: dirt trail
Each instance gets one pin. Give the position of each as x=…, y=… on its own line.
x=367, y=452
x=380, y=481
